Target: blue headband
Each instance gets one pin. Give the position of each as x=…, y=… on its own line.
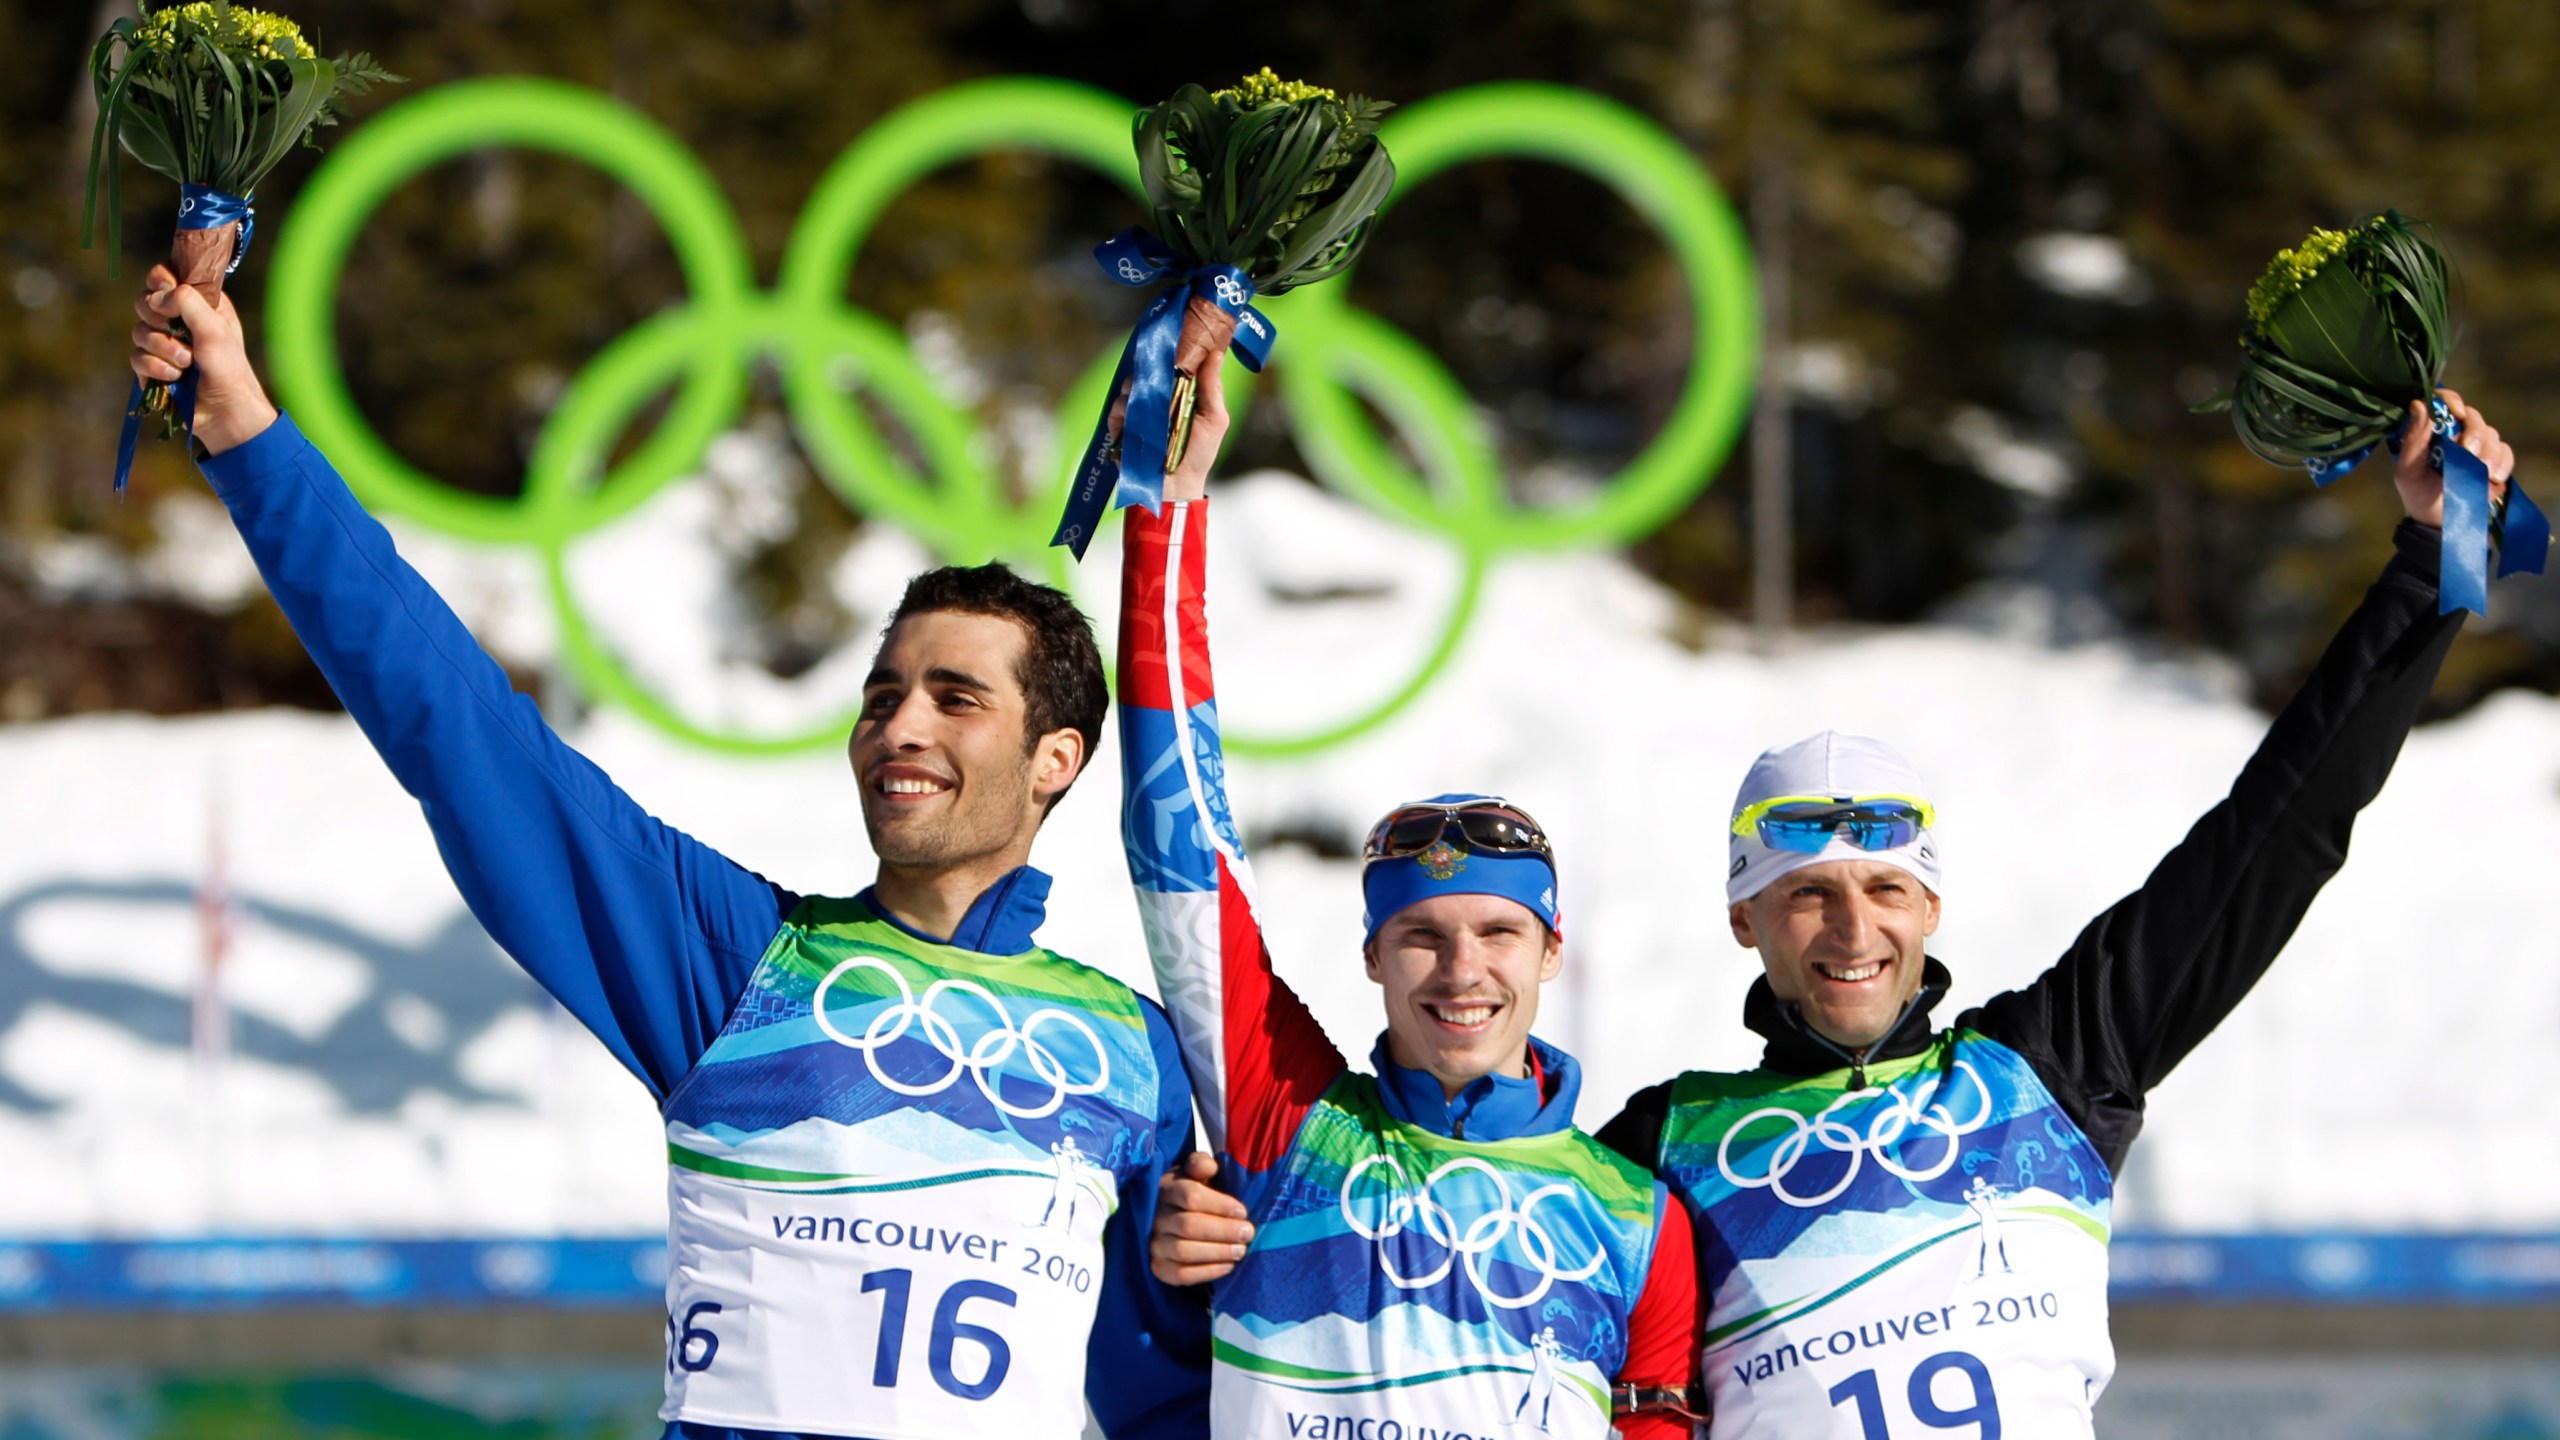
x=1450, y=868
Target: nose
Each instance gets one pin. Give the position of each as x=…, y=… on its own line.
x=1463, y=963
x=1852, y=921
x=908, y=728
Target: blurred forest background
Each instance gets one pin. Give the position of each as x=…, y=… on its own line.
x=2015, y=237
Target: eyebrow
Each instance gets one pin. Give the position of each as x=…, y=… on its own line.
x=945, y=675
x=938, y=675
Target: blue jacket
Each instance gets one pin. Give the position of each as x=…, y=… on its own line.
x=646, y=935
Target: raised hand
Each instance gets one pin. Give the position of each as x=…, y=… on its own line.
x=231, y=406
x=2421, y=485
x=1190, y=479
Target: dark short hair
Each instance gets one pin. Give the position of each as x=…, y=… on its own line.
x=1061, y=668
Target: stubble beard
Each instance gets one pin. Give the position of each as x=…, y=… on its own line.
x=971, y=829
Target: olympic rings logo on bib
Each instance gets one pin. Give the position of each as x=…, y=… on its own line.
x=1340, y=364
x=978, y=1059
x=1479, y=1237
x=1891, y=1117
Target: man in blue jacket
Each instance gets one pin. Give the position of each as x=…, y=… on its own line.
x=872, y=1104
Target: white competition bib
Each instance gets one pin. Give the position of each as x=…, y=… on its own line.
x=1923, y=1257
x=1493, y=1396
x=887, y=1181
x=1999, y=1328
x=890, y=1309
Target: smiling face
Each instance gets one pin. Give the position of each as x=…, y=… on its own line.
x=1843, y=940
x=949, y=771
x=1461, y=975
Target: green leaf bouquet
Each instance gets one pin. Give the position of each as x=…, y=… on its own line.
x=1279, y=178
x=1252, y=190
x=2345, y=331
x=211, y=95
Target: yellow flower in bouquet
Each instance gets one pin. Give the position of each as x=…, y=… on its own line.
x=212, y=95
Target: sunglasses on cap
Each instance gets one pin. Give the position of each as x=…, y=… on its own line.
x=1806, y=823
x=1486, y=827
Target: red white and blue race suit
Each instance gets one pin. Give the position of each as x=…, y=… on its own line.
x=1423, y=1265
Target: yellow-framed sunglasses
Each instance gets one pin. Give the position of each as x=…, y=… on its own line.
x=1806, y=823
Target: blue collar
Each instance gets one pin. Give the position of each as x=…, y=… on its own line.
x=1495, y=1107
x=1001, y=921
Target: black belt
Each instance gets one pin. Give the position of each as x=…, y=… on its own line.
x=1688, y=1402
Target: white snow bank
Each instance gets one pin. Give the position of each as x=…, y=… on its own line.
x=391, y=1074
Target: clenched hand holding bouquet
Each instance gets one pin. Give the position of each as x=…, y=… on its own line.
x=211, y=95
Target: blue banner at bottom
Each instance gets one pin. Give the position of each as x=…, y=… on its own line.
x=35, y=1276
x=2345, y=1267
x=244, y=1273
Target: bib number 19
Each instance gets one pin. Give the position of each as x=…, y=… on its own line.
x=1984, y=1411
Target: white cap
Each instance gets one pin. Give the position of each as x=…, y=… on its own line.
x=1826, y=764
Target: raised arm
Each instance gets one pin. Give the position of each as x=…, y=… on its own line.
x=645, y=934
x=1258, y=1059
x=2150, y=978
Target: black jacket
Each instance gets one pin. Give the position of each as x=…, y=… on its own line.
x=2159, y=970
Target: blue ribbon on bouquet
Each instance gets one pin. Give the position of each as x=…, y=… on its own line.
x=2524, y=534
x=1130, y=471
x=200, y=207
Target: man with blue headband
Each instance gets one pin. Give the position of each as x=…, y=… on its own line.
x=1902, y=1228
x=1439, y=1250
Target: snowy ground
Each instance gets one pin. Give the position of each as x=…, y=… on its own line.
x=392, y=1074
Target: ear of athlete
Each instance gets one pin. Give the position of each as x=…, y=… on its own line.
x=1200, y=1231
x=231, y=406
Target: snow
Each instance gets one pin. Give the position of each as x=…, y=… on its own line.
x=390, y=1074
x=2083, y=266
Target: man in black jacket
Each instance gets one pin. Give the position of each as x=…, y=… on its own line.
x=1905, y=1225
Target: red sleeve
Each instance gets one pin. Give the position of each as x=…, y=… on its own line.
x=1665, y=1331
x=1258, y=1059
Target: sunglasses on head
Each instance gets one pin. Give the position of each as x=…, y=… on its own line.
x=1806, y=824
x=1487, y=827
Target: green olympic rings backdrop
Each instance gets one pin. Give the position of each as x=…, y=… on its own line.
x=1332, y=356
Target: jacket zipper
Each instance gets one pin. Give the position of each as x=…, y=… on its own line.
x=1857, y=1062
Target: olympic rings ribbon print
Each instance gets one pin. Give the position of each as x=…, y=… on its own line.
x=201, y=207
x=1446, y=479
x=1131, y=468
x=2523, y=534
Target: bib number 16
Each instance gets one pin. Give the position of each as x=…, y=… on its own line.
x=692, y=1345
x=1983, y=1412
x=948, y=1333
